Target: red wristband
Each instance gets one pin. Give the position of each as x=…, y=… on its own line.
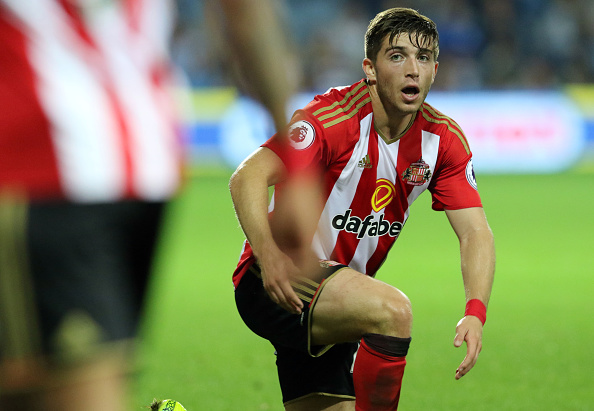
x=477, y=308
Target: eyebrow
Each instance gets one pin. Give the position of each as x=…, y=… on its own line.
x=390, y=48
x=400, y=48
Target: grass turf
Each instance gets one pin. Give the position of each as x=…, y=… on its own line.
x=537, y=343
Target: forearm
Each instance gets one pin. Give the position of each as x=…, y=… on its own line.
x=249, y=191
x=477, y=252
x=250, y=200
x=477, y=255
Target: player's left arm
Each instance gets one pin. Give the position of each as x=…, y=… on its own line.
x=477, y=254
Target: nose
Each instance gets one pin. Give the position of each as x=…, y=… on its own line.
x=412, y=68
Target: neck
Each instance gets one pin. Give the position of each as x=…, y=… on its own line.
x=389, y=123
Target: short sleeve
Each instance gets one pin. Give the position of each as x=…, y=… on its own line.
x=454, y=184
x=300, y=147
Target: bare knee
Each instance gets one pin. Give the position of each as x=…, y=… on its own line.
x=390, y=313
x=353, y=304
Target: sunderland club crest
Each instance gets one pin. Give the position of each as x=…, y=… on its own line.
x=417, y=174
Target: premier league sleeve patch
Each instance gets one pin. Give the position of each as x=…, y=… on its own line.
x=470, y=177
x=301, y=135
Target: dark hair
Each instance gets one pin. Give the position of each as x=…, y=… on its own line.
x=393, y=22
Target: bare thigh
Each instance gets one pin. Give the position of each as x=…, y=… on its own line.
x=352, y=304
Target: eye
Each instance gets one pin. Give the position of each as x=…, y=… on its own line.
x=396, y=57
x=424, y=57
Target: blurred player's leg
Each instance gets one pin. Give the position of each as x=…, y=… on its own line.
x=72, y=284
x=96, y=386
x=93, y=387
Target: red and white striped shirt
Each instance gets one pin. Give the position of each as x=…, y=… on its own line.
x=371, y=182
x=85, y=110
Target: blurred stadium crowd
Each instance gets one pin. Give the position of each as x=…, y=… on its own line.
x=485, y=44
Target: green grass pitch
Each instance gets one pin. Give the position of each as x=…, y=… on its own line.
x=538, y=342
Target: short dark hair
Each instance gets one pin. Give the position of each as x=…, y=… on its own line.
x=393, y=22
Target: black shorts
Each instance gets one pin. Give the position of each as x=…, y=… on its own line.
x=73, y=276
x=303, y=369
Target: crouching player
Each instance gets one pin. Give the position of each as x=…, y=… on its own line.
x=378, y=146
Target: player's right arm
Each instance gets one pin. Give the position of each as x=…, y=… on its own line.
x=249, y=191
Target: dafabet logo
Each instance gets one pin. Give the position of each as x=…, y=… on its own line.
x=368, y=225
x=383, y=194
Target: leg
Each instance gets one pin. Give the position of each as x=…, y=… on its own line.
x=303, y=377
x=347, y=307
x=85, y=296
x=353, y=306
x=94, y=386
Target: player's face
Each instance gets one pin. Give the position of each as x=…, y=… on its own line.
x=403, y=74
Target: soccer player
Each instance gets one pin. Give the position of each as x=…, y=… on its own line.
x=89, y=157
x=341, y=336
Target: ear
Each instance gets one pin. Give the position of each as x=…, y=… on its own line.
x=434, y=72
x=369, y=70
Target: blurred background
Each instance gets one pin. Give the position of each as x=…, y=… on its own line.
x=484, y=44
x=517, y=75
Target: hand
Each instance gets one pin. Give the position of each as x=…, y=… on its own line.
x=277, y=270
x=469, y=329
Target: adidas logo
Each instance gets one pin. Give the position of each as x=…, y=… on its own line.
x=364, y=162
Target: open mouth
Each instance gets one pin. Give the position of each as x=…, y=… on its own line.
x=411, y=91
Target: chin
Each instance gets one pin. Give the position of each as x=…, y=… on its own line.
x=410, y=108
